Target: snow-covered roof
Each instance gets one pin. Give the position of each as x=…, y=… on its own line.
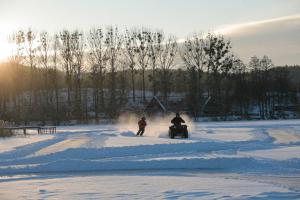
x=158, y=103
x=161, y=105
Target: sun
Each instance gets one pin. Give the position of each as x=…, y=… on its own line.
x=5, y=47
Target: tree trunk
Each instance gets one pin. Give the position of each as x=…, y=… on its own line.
x=133, y=84
x=143, y=77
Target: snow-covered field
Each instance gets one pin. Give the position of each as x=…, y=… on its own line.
x=220, y=160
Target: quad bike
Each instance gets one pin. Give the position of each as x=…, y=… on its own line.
x=178, y=131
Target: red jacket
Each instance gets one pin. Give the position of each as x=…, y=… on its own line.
x=142, y=123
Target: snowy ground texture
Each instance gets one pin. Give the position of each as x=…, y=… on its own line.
x=220, y=160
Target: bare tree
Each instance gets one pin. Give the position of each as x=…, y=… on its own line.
x=98, y=58
x=123, y=83
x=77, y=48
x=30, y=48
x=241, y=87
x=218, y=55
x=54, y=74
x=166, y=61
x=254, y=66
x=130, y=51
x=266, y=65
x=67, y=58
x=114, y=42
x=142, y=44
x=193, y=56
x=155, y=49
x=261, y=82
x=44, y=57
x=16, y=59
x=27, y=41
x=193, y=53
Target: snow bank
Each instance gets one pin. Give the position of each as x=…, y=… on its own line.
x=128, y=134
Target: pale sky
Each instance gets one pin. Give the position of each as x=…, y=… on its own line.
x=178, y=17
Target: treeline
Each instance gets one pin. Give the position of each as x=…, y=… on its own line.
x=99, y=73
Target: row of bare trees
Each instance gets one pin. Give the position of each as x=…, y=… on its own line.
x=69, y=74
x=94, y=59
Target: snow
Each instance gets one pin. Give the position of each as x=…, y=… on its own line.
x=151, y=186
x=286, y=135
x=284, y=153
x=226, y=134
x=220, y=160
x=9, y=144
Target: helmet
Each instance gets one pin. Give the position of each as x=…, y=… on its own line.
x=143, y=118
x=177, y=114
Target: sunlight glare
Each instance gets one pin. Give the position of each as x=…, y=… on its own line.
x=6, y=48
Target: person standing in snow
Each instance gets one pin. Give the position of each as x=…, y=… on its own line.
x=142, y=125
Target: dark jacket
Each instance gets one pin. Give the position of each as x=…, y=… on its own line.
x=142, y=123
x=177, y=121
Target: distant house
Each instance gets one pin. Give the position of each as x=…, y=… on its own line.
x=155, y=106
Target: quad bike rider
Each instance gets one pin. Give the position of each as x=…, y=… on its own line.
x=178, y=129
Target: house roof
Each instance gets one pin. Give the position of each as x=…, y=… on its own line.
x=155, y=102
